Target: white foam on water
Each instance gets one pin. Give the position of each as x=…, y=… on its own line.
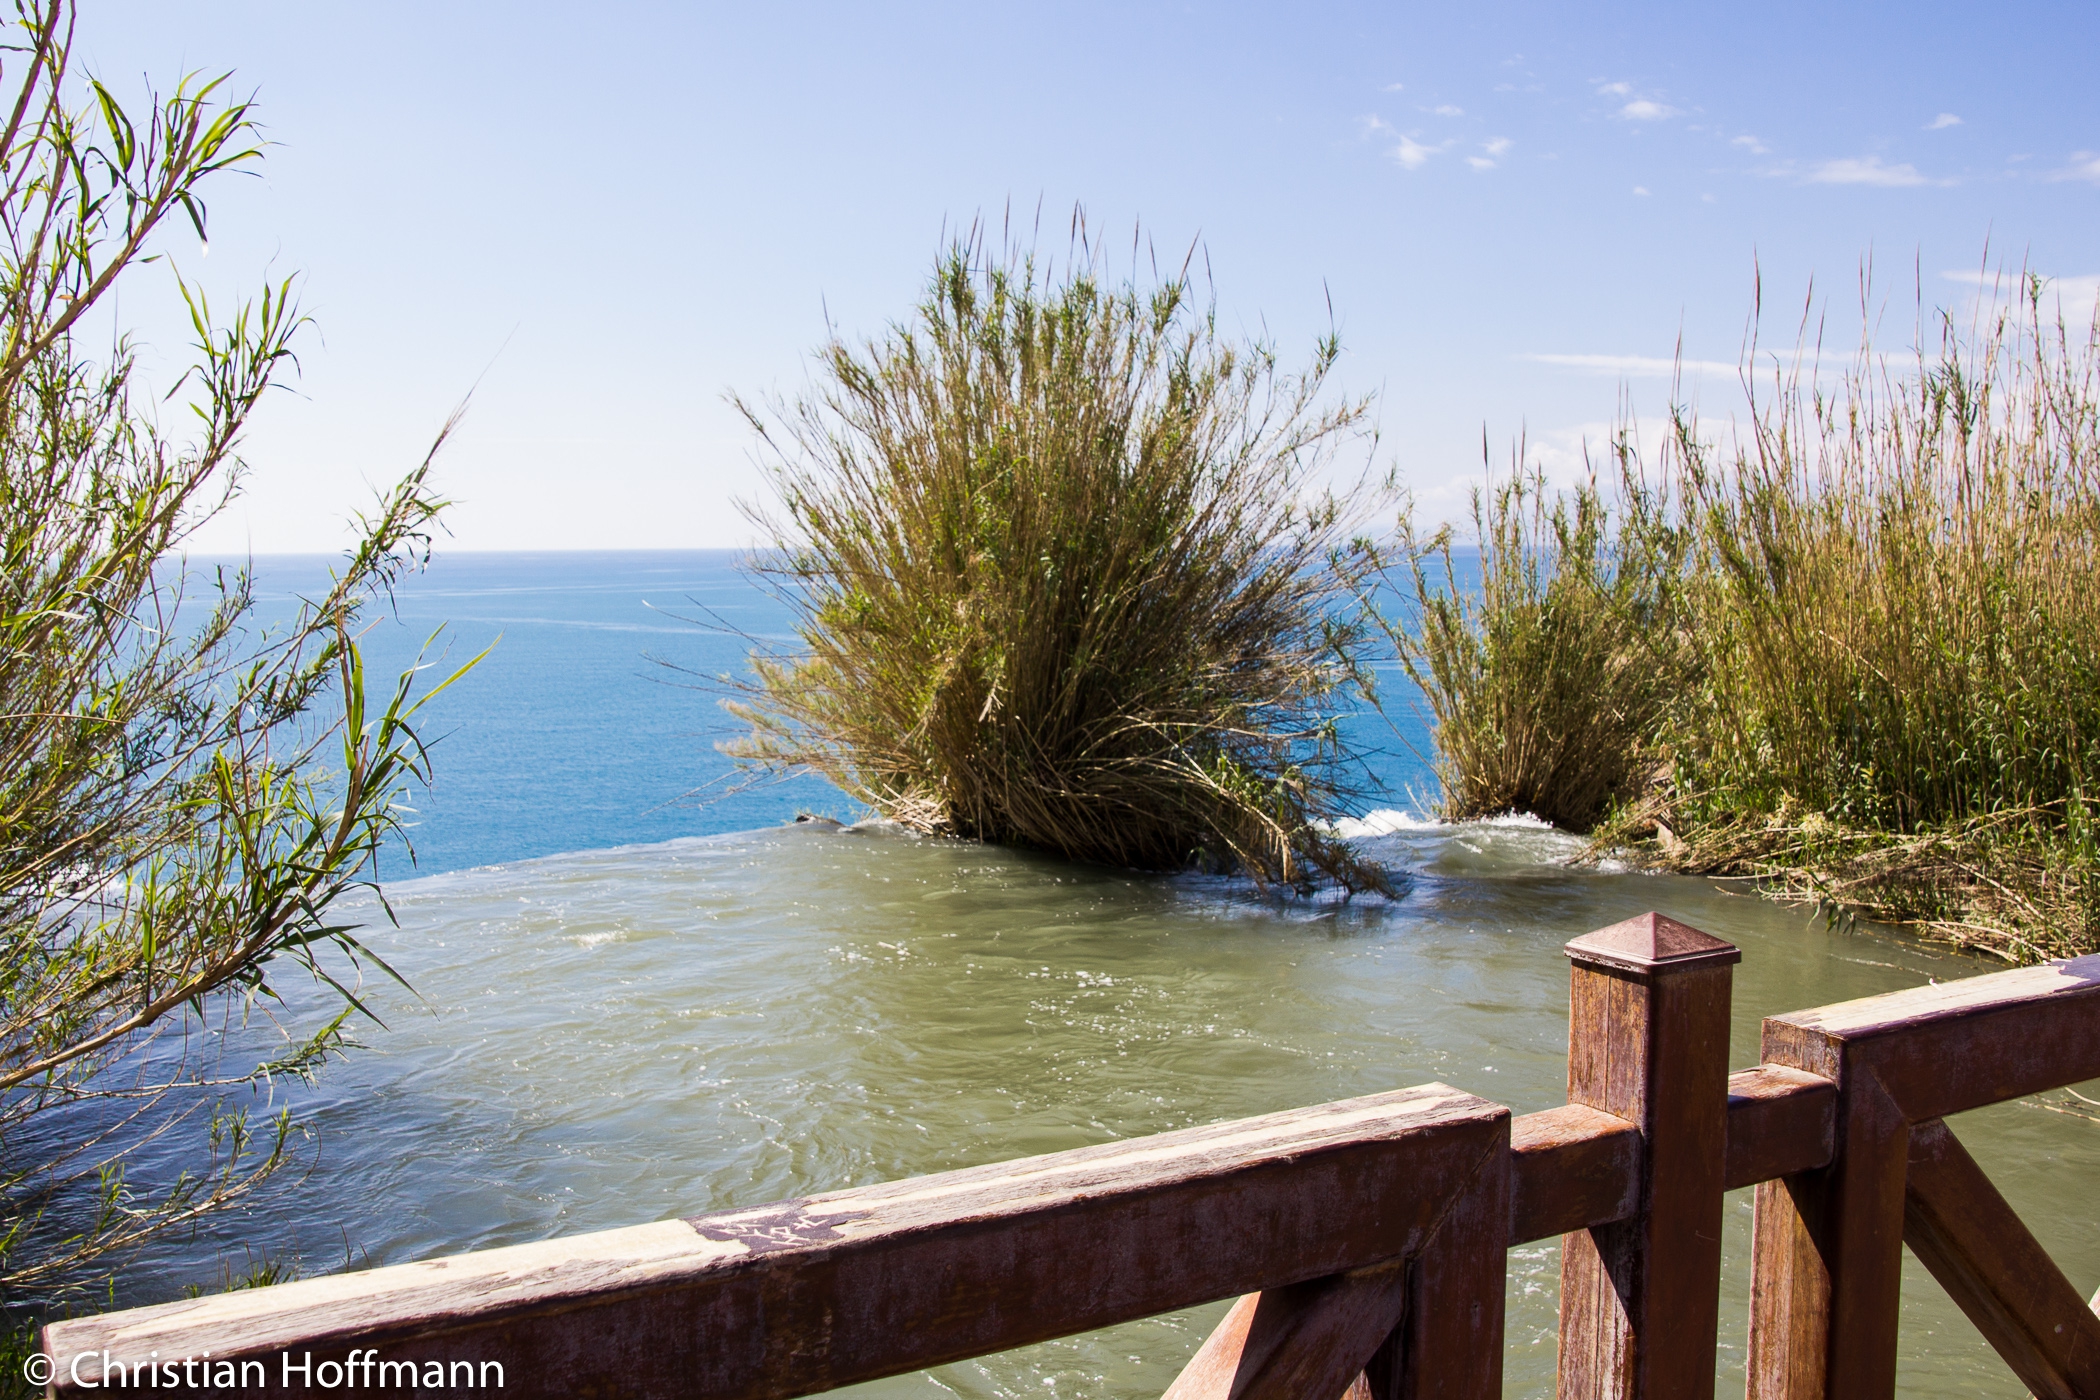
x=1382, y=822
x=1524, y=820
x=1385, y=821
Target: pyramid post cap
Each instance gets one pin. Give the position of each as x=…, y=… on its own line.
x=1648, y=944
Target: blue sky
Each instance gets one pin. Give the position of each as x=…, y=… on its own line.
x=609, y=215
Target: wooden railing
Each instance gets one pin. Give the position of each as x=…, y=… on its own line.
x=1368, y=1237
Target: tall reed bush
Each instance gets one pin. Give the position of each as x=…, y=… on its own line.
x=1537, y=671
x=1063, y=577
x=1864, y=646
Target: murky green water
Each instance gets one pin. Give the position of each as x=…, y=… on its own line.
x=623, y=1036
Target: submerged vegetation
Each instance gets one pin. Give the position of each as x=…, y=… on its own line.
x=184, y=794
x=1854, y=651
x=1062, y=578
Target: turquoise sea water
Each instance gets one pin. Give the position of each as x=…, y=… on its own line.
x=591, y=723
x=586, y=725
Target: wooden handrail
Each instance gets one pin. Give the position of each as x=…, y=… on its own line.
x=808, y=1295
x=1367, y=1236
x=1575, y=1167
x=1946, y=1048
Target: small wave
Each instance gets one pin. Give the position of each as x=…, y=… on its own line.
x=1517, y=819
x=1382, y=822
x=1387, y=820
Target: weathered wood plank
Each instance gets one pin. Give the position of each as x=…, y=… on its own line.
x=1780, y=1121
x=1955, y=1221
x=1574, y=1167
x=1953, y=1046
x=1316, y=1338
x=1571, y=1168
x=1449, y=1345
x=1302, y=1340
x=1827, y=1263
x=1790, y=1297
x=804, y=1296
x=1648, y=1042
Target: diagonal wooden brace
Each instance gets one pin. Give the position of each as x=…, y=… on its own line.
x=1427, y=1324
x=1310, y=1339
x=1958, y=1225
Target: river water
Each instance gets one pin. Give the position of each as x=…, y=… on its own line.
x=621, y=1035
x=634, y=1034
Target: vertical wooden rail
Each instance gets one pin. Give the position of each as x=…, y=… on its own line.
x=1648, y=1042
x=1449, y=1345
x=1826, y=1273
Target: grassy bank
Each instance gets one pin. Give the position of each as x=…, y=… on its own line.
x=1850, y=647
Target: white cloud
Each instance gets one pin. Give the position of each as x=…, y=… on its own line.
x=2085, y=165
x=1751, y=144
x=1567, y=456
x=1447, y=110
x=1395, y=87
x=1869, y=171
x=1495, y=150
x=2078, y=297
x=1643, y=110
x=1641, y=190
x=1369, y=126
x=1633, y=366
x=1412, y=154
x=1943, y=121
x=1615, y=90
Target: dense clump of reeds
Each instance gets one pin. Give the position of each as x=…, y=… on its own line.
x=1860, y=656
x=1534, y=670
x=1061, y=578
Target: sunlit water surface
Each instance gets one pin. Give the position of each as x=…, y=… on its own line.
x=627, y=1035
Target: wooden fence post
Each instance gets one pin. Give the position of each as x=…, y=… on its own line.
x=1826, y=1269
x=1648, y=1042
